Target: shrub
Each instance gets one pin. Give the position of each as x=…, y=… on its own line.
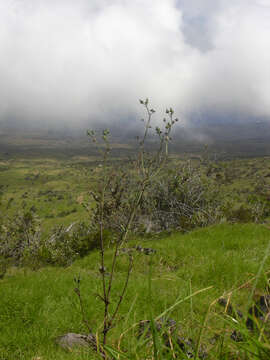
x=20, y=237
x=244, y=213
x=183, y=199
x=66, y=244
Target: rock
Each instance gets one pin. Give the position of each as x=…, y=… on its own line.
x=237, y=336
x=71, y=340
x=128, y=251
x=186, y=345
x=139, y=248
x=260, y=310
x=229, y=309
x=146, y=251
x=144, y=326
x=171, y=330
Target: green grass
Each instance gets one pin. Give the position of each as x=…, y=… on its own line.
x=55, y=188
x=36, y=307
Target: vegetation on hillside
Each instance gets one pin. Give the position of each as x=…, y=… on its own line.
x=38, y=306
x=115, y=228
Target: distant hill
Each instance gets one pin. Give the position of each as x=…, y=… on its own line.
x=227, y=140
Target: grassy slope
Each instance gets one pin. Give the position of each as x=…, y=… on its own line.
x=35, y=307
x=55, y=188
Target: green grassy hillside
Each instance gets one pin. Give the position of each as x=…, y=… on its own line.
x=55, y=188
x=36, y=307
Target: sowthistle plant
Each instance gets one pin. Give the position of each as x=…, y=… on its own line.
x=118, y=200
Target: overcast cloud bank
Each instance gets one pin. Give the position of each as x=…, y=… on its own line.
x=75, y=63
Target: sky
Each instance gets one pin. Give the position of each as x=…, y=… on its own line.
x=76, y=64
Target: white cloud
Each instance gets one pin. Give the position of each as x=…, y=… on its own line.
x=73, y=62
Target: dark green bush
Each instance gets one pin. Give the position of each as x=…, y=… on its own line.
x=20, y=237
x=183, y=199
x=3, y=266
x=245, y=212
x=21, y=242
x=69, y=243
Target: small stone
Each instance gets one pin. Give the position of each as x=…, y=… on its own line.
x=237, y=336
x=71, y=340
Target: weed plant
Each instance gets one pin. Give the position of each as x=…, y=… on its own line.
x=118, y=202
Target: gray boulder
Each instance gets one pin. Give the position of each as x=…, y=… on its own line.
x=71, y=340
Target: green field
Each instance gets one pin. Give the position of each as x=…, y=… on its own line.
x=56, y=188
x=36, y=307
